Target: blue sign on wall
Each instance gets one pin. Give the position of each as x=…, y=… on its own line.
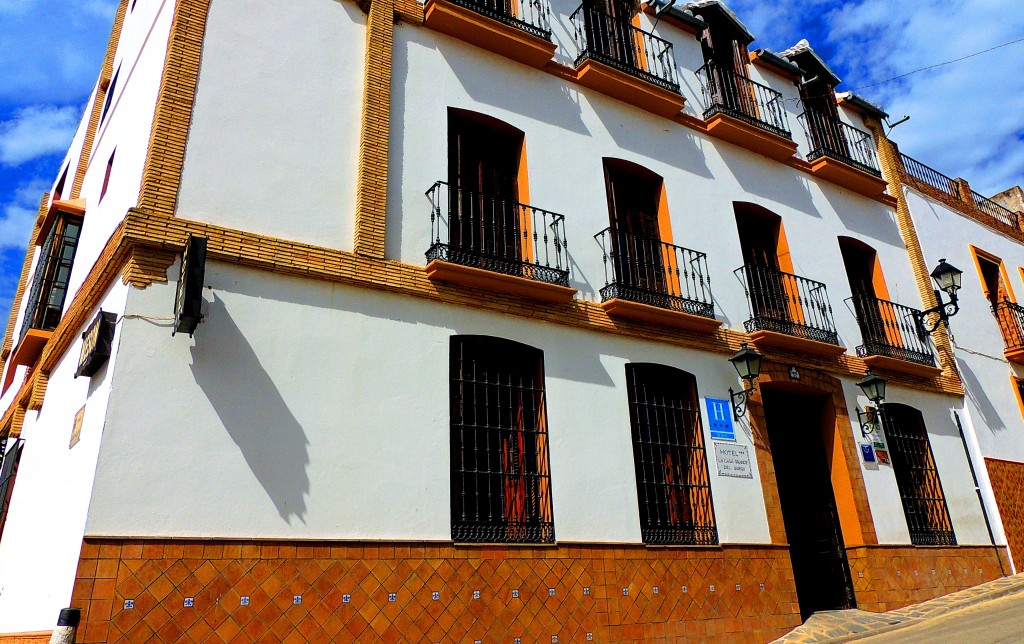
x=720, y=419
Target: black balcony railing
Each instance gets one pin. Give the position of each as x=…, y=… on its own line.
x=892, y=330
x=929, y=176
x=649, y=271
x=496, y=234
x=787, y=303
x=532, y=16
x=990, y=208
x=1011, y=322
x=726, y=92
x=830, y=137
x=615, y=42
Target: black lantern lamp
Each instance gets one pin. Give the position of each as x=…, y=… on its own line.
x=747, y=362
x=873, y=387
x=947, y=280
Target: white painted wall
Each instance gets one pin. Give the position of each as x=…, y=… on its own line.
x=991, y=397
x=570, y=129
x=275, y=131
x=308, y=410
x=43, y=534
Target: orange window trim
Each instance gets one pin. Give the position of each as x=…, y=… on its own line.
x=668, y=254
x=1016, y=382
x=525, y=220
x=977, y=254
x=785, y=259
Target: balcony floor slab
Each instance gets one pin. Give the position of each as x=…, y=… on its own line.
x=902, y=366
x=775, y=340
x=847, y=176
x=611, y=82
x=447, y=272
x=617, y=308
x=488, y=33
x=751, y=137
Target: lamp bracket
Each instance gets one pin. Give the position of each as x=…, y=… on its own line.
x=739, y=400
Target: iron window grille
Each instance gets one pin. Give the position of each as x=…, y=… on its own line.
x=53, y=270
x=916, y=476
x=501, y=483
x=669, y=456
x=9, y=459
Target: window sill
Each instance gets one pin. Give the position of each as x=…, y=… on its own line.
x=629, y=89
x=1015, y=355
x=777, y=340
x=487, y=33
x=904, y=366
x=447, y=272
x=27, y=352
x=636, y=312
x=751, y=137
x=848, y=177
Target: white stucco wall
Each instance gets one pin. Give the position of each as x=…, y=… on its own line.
x=569, y=129
x=991, y=397
x=43, y=534
x=275, y=130
x=306, y=410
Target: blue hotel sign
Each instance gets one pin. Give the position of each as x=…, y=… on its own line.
x=720, y=419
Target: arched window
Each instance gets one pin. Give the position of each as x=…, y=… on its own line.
x=669, y=456
x=916, y=475
x=501, y=482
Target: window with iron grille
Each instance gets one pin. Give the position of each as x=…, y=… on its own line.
x=9, y=459
x=501, y=483
x=669, y=456
x=916, y=476
x=50, y=280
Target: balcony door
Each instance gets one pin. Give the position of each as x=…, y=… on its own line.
x=998, y=295
x=609, y=25
x=819, y=99
x=760, y=232
x=633, y=198
x=726, y=54
x=874, y=315
x=483, y=179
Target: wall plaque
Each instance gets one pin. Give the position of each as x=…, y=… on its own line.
x=733, y=460
x=720, y=419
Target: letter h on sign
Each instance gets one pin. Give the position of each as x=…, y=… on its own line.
x=720, y=419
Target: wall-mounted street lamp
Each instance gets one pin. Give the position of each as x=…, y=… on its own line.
x=873, y=387
x=747, y=362
x=947, y=280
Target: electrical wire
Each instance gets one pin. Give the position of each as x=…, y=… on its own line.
x=923, y=69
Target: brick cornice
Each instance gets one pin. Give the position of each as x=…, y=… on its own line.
x=161, y=176
x=97, y=104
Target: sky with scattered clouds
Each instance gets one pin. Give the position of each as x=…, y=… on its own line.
x=967, y=118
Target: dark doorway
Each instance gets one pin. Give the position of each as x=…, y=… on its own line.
x=633, y=196
x=795, y=423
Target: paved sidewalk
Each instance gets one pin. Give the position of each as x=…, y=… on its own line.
x=848, y=625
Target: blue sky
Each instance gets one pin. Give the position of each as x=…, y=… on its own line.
x=967, y=119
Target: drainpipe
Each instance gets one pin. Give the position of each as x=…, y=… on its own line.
x=977, y=489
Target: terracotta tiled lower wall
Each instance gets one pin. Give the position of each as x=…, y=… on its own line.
x=890, y=577
x=616, y=594
x=1008, y=485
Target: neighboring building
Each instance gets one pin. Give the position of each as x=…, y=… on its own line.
x=474, y=274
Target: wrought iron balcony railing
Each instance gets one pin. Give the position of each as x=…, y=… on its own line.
x=615, y=42
x=995, y=211
x=1011, y=322
x=892, y=330
x=786, y=303
x=497, y=234
x=649, y=271
x=929, y=176
x=830, y=137
x=532, y=16
x=726, y=92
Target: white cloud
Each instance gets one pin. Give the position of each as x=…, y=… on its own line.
x=967, y=118
x=19, y=214
x=37, y=131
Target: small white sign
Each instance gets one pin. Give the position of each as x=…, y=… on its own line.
x=733, y=460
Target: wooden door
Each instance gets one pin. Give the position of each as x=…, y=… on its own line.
x=636, y=237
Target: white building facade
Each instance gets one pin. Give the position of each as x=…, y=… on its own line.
x=473, y=278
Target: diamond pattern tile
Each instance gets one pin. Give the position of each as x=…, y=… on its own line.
x=474, y=587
